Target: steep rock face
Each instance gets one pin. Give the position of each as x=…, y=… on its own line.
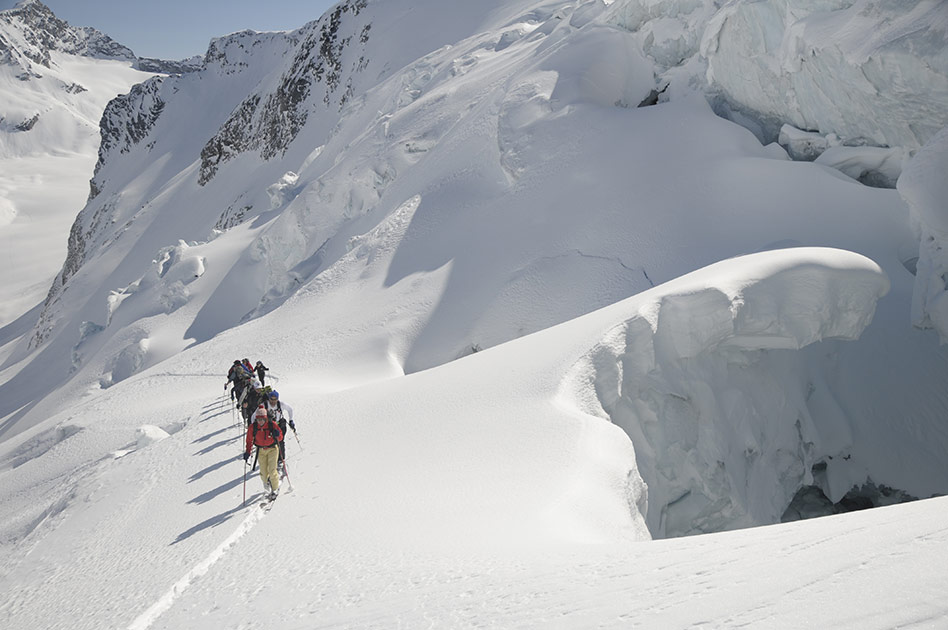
x=162, y=66
x=283, y=71
x=268, y=123
x=127, y=121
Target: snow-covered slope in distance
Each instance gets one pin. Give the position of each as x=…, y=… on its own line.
x=55, y=81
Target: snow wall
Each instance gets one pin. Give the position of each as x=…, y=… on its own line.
x=728, y=416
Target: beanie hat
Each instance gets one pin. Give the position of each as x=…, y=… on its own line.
x=260, y=413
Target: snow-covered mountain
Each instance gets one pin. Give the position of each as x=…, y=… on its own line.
x=32, y=33
x=535, y=275
x=55, y=81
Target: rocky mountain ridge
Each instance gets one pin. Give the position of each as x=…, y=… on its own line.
x=269, y=123
x=327, y=53
x=30, y=31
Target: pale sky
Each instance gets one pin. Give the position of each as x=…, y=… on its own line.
x=176, y=29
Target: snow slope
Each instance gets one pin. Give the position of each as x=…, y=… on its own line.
x=477, y=492
x=46, y=168
x=55, y=81
x=526, y=327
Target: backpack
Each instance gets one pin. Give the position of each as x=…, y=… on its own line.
x=272, y=417
x=268, y=426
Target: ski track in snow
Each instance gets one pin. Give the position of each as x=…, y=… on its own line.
x=147, y=618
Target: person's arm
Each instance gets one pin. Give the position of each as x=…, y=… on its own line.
x=249, y=441
x=288, y=414
x=275, y=432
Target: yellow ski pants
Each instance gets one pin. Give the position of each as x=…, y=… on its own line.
x=267, y=458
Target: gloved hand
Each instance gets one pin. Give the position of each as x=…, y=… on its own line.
x=246, y=456
x=275, y=435
x=292, y=426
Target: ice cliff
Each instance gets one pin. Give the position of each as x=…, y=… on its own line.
x=699, y=380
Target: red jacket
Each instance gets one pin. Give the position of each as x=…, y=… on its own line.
x=260, y=435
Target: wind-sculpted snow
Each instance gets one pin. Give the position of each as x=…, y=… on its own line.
x=924, y=187
x=869, y=71
x=670, y=31
x=860, y=71
x=699, y=380
x=489, y=460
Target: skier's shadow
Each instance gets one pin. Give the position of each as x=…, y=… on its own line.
x=210, y=494
x=214, y=521
x=210, y=435
x=210, y=469
x=213, y=415
x=208, y=449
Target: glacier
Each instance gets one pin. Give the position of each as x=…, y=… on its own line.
x=366, y=137
x=538, y=277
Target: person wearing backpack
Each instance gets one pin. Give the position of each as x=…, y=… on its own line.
x=235, y=378
x=242, y=380
x=282, y=414
x=248, y=366
x=261, y=370
x=254, y=396
x=266, y=436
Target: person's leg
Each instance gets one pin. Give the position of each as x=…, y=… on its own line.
x=262, y=461
x=268, y=467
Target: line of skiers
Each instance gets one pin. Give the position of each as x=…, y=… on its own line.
x=266, y=417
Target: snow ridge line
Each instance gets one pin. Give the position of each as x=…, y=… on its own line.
x=167, y=600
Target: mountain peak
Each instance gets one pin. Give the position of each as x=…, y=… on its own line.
x=30, y=31
x=36, y=4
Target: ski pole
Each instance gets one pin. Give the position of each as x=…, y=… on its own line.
x=297, y=438
x=287, y=475
x=255, y=453
x=245, y=485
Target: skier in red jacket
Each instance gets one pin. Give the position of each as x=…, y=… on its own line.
x=265, y=435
